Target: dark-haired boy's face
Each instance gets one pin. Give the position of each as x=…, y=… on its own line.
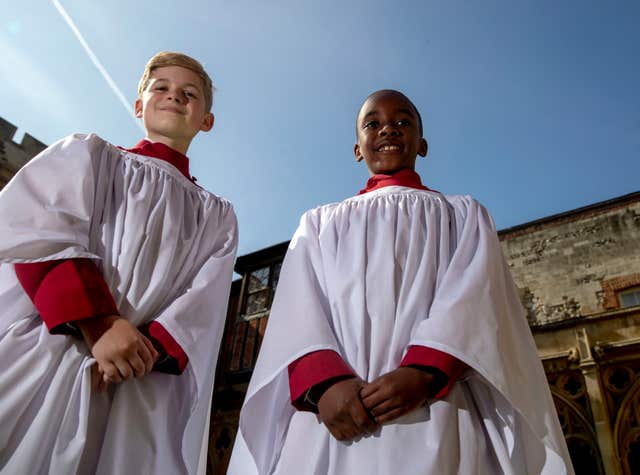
x=389, y=138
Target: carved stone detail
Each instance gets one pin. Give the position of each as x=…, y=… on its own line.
x=539, y=312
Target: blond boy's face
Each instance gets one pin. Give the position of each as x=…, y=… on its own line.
x=172, y=106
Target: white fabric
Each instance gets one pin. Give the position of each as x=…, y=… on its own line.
x=166, y=249
x=367, y=278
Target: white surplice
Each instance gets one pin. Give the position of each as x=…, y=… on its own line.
x=367, y=278
x=166, y=249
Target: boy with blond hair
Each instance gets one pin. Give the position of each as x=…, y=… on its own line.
x=114, y=280
x=396, y=342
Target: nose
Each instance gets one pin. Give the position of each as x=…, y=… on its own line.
x=389, y=129
x=176, y=95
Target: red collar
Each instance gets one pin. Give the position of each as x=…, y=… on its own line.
x=163, y=152
x=406, y=177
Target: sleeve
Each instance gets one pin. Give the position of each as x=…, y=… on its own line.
x=312, y=370
x=195, y=319
x=446, y=368
x=301, y=308
x=477, y=317
x=47, y=208
x=65, y=291
x=173, y=359
x=190, y=328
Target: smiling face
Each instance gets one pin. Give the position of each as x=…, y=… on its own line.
x=173, y=107
x=389, y=133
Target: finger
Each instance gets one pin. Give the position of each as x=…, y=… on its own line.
x=148, y=355
x=147, y=361
x=336, y=433
x=369, y=389
x=383, y=408
x=102, y=385
x=152, y=351
x=137, y=364
x=111, y=373
x=375, y=399
x=348, y=431
x=391, y=415
x=125, y=370
x=364, y=423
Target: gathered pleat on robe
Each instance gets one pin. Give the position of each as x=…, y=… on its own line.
x=367, y=278
x=166, y=249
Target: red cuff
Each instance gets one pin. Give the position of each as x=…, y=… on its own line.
x=425, y=356
x=65, y=291
x=312, y=369
x=170, y=346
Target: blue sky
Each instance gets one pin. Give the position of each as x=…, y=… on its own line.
x=532, y=107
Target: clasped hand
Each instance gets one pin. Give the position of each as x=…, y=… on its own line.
x=120, y=350
x=351, y=407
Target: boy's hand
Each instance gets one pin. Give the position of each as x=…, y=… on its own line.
x=121, y=351
x=396, y=393
x=342, y=412
x=98, y=384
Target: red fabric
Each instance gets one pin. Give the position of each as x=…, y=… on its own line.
x=425, y=356
x=171, y=347
x=163, y=152
x=314, y=368
x=68, y=290
x=65, y=291
x=406, y=177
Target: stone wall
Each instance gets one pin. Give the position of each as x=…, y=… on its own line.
x=14, y=155
x=571, y=266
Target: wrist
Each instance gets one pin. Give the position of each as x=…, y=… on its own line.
x=315, y=393
x=92, y=329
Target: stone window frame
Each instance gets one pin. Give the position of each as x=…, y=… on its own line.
x=612, y=287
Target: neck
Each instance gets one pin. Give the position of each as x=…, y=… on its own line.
x=176, y=143
x=390, y=172
x=406, y=177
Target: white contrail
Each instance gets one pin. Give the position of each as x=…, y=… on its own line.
x=96, y=62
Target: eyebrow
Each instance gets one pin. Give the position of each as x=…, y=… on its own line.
x=189, y=84
x=403, y=109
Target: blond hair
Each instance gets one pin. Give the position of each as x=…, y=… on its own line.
x=169, y=58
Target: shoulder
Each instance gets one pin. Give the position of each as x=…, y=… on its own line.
x=392, y=195
x=75, y=147
x=80, y=141
x=466, y=203
x=462, y=201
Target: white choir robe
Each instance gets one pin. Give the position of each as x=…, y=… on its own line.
x=166, y=249
x=367, y=278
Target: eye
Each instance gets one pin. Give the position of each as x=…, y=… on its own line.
x=160, y=88
x=403, y=122
x=370, y=125
x=190, y=94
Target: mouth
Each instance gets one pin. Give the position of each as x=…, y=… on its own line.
x=389, y=147
x=172, y=110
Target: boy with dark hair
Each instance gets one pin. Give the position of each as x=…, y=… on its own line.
x=109, y=352
x=396, y=342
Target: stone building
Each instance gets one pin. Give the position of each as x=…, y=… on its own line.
x=579, y=279
x=578, y=274
x=14, y=155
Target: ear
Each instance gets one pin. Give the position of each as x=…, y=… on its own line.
x=423, y=148
x=356, y=152
x=138, y=108
x=207, y=122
